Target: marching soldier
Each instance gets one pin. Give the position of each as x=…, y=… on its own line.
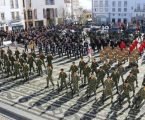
x=2, y=53
x=81, y=66
x=131, y=79
x=42, y=57
x=135, y=71
x=106, y=67
x=108, y=83
x=121, y=72
x=49, y=76
x=25, y=72
x=33, y=54
x=115, y=77
x=75, y=82
x=24, y=55
x=8, y=68
x=139, y=97
x=21, y=60
x=100, y=74
x=125, y=92
x=91, y=85
x=31, y=61
x=62, y=77
x=12, y=59
x=94, y=65
x=39, y=66
x=49, y=60
x=5, y=57
x=17, y=53
x=86, y=73
x=73, y=68
x=9, y=52
x=17, y=67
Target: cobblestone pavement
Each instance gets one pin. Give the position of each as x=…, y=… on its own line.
x=33, y=101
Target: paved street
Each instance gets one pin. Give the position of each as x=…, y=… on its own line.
x=32, y=101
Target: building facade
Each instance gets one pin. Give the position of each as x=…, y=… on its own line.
x=28, y=13
x=115, y=11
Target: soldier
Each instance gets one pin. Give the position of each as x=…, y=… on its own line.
x=106, y=67
x=100, y=74
x=33, y=54
x=9, y=52
x=75, y=82
x=131, y=79
x=125, y=92
x=17, y=67
x=49, y=76
x=31, y=61
x=121, y=72
x=73, y=68
x=42, y=57
x=62, y=77
x=39, y=66
x=1, y=64
x=49, y=60
x=86, y=73
x=8, y=67
x=81, y=66
x=115, y=77
x=135, y=71
x=24, y=55
x=22, y=61
x=17, y=53
x=2, y=53
x=91, y=85
x=25, y=72
x=108, y=83
x=94, y=65
x=139, y=97
x=5, y=57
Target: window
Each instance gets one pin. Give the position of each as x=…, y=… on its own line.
x=35, y=13
x=106, y=9
x=12, y=3
x=96, y=4
x=113, y=9
x=101, y=9
x=125, y=9
x=101, y=3
x=29, y=14
x=113, y=14
x=136, y=14
x=2, y=16
x=49, y=2
x=106, y=3
x=17, y=16
x=13, y=15
x=119, y=3
x=125, y=3
x=138, y=6
x=17, y=3
x=113, y=3
x=119, y=9
x=124, y=14
x=2, y=2
x=119, y=14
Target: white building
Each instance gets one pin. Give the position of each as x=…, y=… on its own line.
x=33, y=12
x=115, y=11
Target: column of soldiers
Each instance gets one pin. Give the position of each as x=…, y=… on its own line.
x=92, y=75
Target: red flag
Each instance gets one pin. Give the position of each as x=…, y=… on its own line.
x=122, y=45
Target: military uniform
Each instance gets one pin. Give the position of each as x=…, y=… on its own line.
x=26, y=72
x=73, y=69
x=115, y=77
x=81, y=66
x=39, y=66
x=49, y=60
x=17, y=67
x=108, y=83
x=17, y=53
x=106, y=68
x=94, y=66
x=8, y=67
x=86, y=73
x=75, y=82
x=5, y=59
x=135, y=71
x=42, y=57
x=49, y=76
x=62, y=77
x=24, y=55
x=121, y=72
x=12, y=59
x=9, y=52
x=22, y=61
x=31, y=61
x=92, y=85
x=2, y=53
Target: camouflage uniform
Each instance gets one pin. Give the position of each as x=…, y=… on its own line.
x=24, y=55
x=108, y=83
x=73, y=69
x=42, y=57
x=62, y=77
x=31, y=61
x=92, y=85
x=17, y=53
x=8, y=67
x=81, y=66
x=106, y=68
x=39, y=66
x=121, y=72
x=49, y=76
x=94, y=66
x=12, y=59
x=17, y=67
x=135, y=71
x=49, y=60
x=86, y=73
x=25, y=72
